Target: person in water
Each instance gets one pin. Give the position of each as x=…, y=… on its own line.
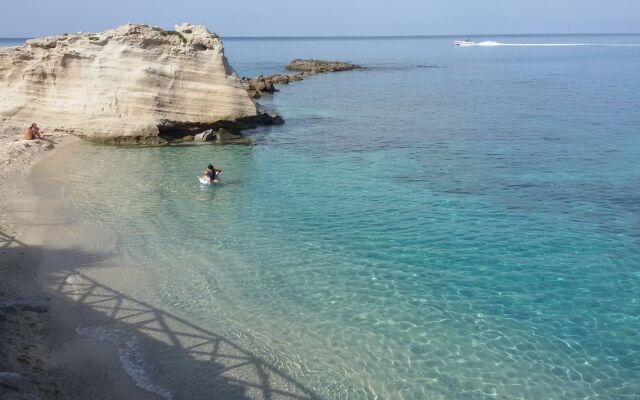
x=211, y=173
x=33, y=132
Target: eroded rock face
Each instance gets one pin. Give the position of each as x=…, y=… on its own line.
x=123, y=85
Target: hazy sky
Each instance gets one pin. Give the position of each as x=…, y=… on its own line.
x=29, y=18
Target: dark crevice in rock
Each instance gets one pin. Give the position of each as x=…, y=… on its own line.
x=179, y=131
x=171, y=130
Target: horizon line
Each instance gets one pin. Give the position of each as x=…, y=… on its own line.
x=294, y=37
x=314, y=37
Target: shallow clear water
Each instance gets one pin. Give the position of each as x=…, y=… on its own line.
x=451, y=223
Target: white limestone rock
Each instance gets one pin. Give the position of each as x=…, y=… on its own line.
x=205, y=136
x=126, y=84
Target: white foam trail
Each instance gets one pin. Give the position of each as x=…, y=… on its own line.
x=490, y=43
x=129, y=354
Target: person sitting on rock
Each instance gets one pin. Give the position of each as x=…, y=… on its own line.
x=211, y=173
x=33, y=132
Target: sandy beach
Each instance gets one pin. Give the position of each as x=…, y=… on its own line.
x=43, y=356
x=69, y=317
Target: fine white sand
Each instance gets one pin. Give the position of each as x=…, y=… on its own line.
x=42, y=356
x=72, y=328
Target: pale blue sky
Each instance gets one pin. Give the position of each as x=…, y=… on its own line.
x=29, y=18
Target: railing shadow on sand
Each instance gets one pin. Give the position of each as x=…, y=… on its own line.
x=201, y=364
x=213, y=365
x=7, y=241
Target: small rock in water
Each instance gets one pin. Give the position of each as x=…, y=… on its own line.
x=204, y=136
x=267, y=117
x=224, y=136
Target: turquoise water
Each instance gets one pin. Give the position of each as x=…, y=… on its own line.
x=450, y=223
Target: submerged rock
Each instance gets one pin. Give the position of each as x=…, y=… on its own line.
x=268, y=117
x=225, y=136
x=127, y=85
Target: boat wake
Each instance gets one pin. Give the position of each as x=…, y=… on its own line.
x=492, y=43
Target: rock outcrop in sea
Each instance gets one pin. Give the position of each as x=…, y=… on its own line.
x=319, y=66
x=261, y=85
x=133, y=84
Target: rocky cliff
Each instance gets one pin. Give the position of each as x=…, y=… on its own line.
x=135, y=83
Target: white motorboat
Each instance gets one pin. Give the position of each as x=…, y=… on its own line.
x=465, y=42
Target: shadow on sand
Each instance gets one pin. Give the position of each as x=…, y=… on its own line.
x=185, y=361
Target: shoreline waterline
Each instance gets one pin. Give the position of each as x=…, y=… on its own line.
x=78, y=267
x=475, y=242
x=50, y=354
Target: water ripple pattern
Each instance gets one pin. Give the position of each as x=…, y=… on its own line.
x=465, y=231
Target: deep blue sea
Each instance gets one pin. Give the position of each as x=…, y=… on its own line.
x=450, y=223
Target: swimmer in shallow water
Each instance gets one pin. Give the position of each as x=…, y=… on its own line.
x=211, y=173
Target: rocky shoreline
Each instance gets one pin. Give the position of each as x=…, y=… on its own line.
x=134, y=84
x=262, y=85
x=42, y=356
x=138, y=84
x=227, y=133
x=220, y=132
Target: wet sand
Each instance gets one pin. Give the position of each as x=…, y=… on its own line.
x=73, y=328
x=42, y=356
